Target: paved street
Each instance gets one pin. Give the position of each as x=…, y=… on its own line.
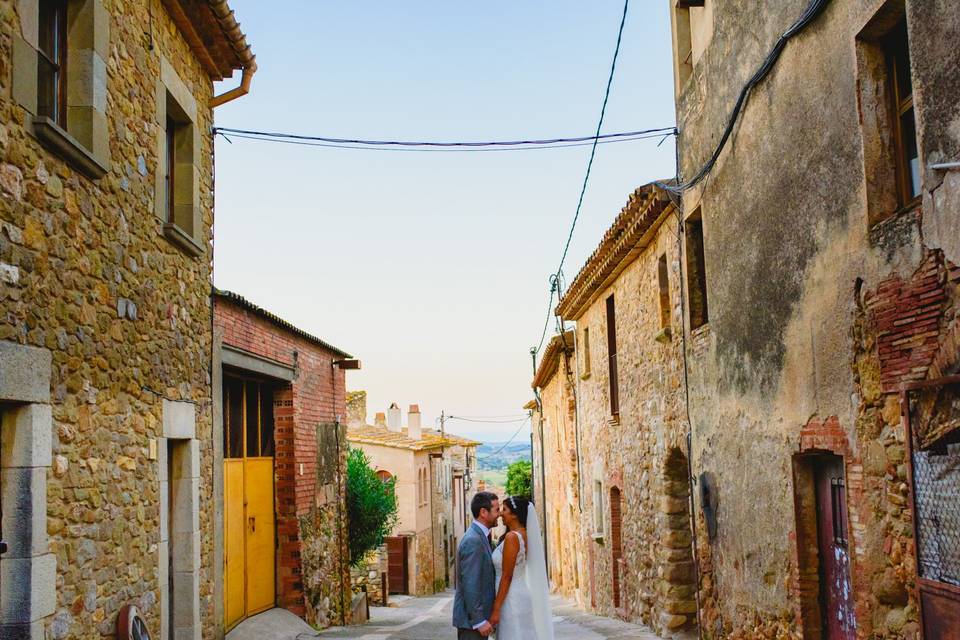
x=429, y=619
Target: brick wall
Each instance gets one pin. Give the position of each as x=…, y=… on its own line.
x=305, y=491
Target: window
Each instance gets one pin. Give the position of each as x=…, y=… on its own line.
x=178, y=205
x=684, y=50
x=248, y=425
x=597, y=509
x=612, y=355
x=52, y=61
x=586, y=353
x=897, y=51
x=696, y=270
x=663, y=281
x=384, y=476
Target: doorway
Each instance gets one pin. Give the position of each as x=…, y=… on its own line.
x=823, y=547
x=616, y=541
x=397, y=565
x=248, y=502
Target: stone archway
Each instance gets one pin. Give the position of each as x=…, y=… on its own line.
x=677, y=570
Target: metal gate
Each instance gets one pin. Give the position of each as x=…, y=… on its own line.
x=397, y=564
x=931, y=415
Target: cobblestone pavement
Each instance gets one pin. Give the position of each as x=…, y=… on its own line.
x=429, y=619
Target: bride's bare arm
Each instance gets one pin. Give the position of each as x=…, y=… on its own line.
x=511, y=547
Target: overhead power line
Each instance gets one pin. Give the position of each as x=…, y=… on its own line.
x=293, y=138
x=489, y=421
x=505, y=444
x=814, y=9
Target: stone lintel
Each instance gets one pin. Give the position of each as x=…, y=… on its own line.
x=24, y=373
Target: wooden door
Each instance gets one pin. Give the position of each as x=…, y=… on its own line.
x=397, y=564
x=836, y=590
x=248, y=509
x=616, y=541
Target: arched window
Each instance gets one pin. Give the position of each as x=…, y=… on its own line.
x=384, y=475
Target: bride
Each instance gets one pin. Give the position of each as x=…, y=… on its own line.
x=522, y=587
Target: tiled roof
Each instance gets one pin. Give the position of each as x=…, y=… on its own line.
x=551, y=359
x=214, y=35
x=240, y=301
x=629, y=234
x=430, y=439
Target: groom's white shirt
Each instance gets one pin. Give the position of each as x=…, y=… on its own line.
x=486, y=533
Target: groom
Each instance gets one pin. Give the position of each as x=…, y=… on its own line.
x=476, y=586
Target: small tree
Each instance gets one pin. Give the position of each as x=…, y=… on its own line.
x=371, y=506
x=520, y=478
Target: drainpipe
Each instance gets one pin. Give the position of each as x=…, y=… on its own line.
x=237, y=92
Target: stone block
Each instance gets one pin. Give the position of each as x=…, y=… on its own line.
x=672, y=622
x=27, y=437
x=24, y=511
x=186, y=602
x=29, y=588
x=186, y=460
x=24, y=373
x=162, y=464
x=29, y=13
x=185, y=497
x=179, y=419
x=26, y=631
x=671, y=505
x=24, y=84
x=164, y=510
x=185, y=550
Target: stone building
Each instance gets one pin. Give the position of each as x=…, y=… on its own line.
x=279, y=463
x=821, y=259
x=421, y=550
x=106, y=214
x=556, y=467
x=629, y=424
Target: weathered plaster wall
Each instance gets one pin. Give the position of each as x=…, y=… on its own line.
x=657, y=574
x=791, y=262
x=88, y=274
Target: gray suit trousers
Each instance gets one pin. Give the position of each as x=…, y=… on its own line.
x=469, y=634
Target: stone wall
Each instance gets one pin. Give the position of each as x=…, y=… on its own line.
x=367, y=575
x=823, y=298
x=88, y=275
x=637, y=452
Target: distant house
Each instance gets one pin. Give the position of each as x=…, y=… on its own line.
x=434, y=473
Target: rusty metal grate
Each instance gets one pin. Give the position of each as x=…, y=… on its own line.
x=936, y=477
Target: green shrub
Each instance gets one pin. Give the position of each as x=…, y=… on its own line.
x=519, y=478
x=371, y=506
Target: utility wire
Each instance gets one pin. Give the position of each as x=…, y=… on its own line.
x=505, y=444
x=814, y=9
x=514, y=421
x=278, y=137
x=438, y=150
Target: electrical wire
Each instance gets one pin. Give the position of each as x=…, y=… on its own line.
x=518, y=416
x=507, y=443
x=462, y=419
x=412, y=143
x=814, y=9
x=437, y=150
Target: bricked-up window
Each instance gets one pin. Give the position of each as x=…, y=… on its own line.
x=696, y=271
x=897, y=50
x=612, y=355
x=663, y=282
x=597, y=508
x=586, y=352
x=52, y=61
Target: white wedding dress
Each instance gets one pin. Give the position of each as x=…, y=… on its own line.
x=525, y=614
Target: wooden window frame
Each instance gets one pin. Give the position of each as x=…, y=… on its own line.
x=53, y=17
x=264, y=389
x=586, y=354
x=612, y=357
x=663, y=289
x=896, y=48
x=695, y=252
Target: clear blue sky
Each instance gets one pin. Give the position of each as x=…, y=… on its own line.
x=432, y=268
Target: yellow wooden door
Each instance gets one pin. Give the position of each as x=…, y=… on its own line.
x=258, y=481
x=248, y=510
x=234, y=542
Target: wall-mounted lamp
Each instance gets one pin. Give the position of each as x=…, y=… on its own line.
x=347, y=364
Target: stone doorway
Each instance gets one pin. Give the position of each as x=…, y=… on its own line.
x=679, y=577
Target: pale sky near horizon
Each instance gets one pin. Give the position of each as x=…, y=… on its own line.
x=432, y=268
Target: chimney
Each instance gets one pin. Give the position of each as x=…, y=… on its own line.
x=413, y=422
x=393, y=417
x=380, y=420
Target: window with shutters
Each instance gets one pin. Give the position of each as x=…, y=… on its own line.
x=585, y=349
x=612, y=358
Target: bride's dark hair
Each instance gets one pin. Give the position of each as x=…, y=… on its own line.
x=520, y=506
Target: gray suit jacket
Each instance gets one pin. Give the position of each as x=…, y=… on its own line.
x=476, y=586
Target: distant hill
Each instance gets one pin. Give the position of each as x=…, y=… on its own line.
x=493, y=456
